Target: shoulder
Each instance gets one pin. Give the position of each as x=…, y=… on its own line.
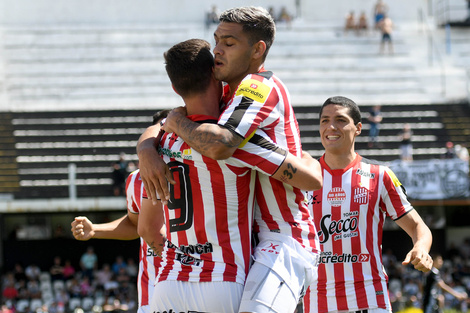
x=256, y=86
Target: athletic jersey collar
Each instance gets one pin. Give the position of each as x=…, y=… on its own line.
x=201, y=118
x=227, y=96
x=340, y=171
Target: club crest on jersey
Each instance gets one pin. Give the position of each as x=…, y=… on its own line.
x=336, y=196
x=361, y=195
x=253, y=89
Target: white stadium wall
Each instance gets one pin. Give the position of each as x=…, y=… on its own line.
x=44, y=12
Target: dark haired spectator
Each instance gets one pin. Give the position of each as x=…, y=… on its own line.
x=57, y=270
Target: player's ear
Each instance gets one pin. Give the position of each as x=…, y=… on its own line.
x=358, y=128
x=259, y=49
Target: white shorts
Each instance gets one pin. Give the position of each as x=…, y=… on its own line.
x=196, y=297
x=280, y=275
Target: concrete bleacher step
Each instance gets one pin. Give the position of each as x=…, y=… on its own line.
x=9, y=179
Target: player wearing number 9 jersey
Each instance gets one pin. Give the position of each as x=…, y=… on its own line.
x=210, y=211
x=349, y=213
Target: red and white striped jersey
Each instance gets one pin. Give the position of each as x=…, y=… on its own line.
x=209, y=215
x=349, y=213
x=148, y=261
x=263, y=102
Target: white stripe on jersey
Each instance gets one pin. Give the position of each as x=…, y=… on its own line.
x=148, y=262
x=262, y=101
x=349, y=214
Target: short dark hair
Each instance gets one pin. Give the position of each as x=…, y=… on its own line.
x=257, y=23
x=354, y=112
x=159, y=115
x=189, y=66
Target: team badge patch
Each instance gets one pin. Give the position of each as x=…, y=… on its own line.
x=253, y=89
x=361, y=195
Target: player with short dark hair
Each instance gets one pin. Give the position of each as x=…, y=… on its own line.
x=350, y=209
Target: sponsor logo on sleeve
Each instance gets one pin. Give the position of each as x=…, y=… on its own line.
x=254, y=90
x=394, y=178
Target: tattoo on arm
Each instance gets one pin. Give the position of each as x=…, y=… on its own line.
x=202, y=140
x=289, y=172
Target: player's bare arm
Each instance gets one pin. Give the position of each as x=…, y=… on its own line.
x=421, y=236
x=120, y=229
x=151, y=225
x=154, y=172
x=211, y=140
x=302, y=173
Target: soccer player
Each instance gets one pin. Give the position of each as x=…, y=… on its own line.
x=126, y=228
x=350, y=209
x=256, y=99
x=209, y=214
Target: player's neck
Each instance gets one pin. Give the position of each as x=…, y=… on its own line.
x=203, y=104
x=337, y=161
x=255, y=68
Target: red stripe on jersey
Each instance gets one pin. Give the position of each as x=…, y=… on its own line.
x=260, y=162
x=263, y=207
x=221, y=216
x=289, y=119
x=244, y=225
x=341, y=301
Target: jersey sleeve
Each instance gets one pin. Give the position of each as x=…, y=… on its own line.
x=254, y=103
x=394, y=196
x=132, y=206
x=258, y=152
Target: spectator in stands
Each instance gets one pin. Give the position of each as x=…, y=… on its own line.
x=272, y=13
x=33, y=289
x=86, y=289
x=380, y=9
x=89, y=263
x=57, y=270
x=450, y=151
x=73, y=287
x=285, y=17
x=32, y=272
x=9, y=291
x=350, y=22
x=19, y=273
x=69, y=270
x=212, y=17
x=132, y=269
x=406, y=147
x=118, y=264
x=374, y=118
x=386, y=28
x=362, y=24
x=103, y=276
x=23, y=292
x=119, y=174
x=433, y=299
